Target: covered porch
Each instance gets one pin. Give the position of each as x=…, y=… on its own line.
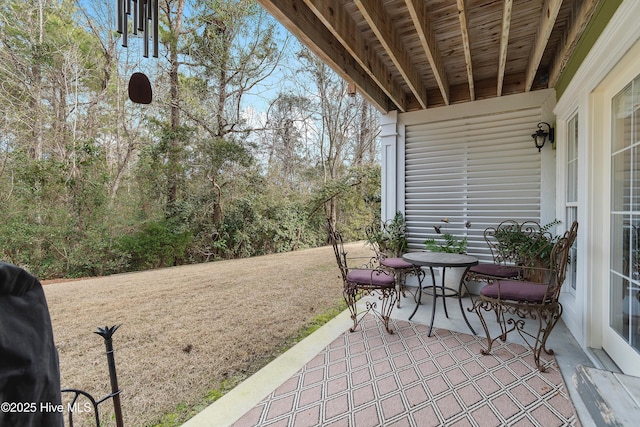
x=462, y=86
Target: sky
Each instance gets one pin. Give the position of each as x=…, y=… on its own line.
x=261, y=95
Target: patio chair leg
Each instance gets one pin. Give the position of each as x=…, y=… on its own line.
x=547, y=316
x=548, y=320
x=349, y=295
x=388, y=298
x=387, y=301
x=540, y=339
x=465, y=316
x=554, y=320
x=400, y=278
x=478, y=307
x=420, y=275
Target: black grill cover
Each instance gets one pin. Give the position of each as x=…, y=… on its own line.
x=29, y=370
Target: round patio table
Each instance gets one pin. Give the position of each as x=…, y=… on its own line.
x=444, y=260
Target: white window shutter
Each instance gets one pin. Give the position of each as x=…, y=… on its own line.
x=481, y=169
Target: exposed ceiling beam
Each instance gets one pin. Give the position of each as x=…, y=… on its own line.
x=504, y=42
x=581, y=18
x=343, y=27
x=548, y=17
x=378, y=19
x=295, y=15
x=419, y=15
x=464, y=30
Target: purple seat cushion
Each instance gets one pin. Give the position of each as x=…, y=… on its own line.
x=371, y=277
x=515, y=290
x=495, y=270
x=396, y=263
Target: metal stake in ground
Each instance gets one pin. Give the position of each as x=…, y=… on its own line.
x=107, y=333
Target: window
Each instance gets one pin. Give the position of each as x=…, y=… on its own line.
x=571, y=208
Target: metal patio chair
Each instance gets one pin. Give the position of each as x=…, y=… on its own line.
x=535, y=296
x=508, y=258
x=364, y=281
x=393, y=263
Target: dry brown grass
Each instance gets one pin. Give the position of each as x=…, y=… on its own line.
x=186, y=329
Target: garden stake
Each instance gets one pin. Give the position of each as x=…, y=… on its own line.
x=107, y=333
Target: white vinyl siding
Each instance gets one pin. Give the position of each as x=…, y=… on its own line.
x=481, y=169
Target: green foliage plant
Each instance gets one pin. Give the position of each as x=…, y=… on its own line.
x=391, y=237
x=528, y=247
x=447, y=242
x=78, y=191
x=156, y=245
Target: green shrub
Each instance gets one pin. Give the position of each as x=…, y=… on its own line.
x=155, y=245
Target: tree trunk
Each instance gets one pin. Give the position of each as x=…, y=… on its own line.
x=175, y=142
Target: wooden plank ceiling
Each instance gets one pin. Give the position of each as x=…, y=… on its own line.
x=409, y=55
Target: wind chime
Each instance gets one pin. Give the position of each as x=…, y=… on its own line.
x=145, y=20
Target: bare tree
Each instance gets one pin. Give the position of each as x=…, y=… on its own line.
x=235, y=52
x=284, y=138
x=337, y=116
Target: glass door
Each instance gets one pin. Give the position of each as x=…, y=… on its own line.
x=624, y=291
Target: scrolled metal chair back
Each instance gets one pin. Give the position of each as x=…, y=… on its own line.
x=500, y=256
x=371, y=231
x=559, y=259
x=520, y=244
x=335, y=238
x=539, y=242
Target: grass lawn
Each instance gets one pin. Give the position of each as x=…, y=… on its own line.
x=189, y=333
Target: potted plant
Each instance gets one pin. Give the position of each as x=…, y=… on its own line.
x=529, y=246
x=448, y=242
x=390, y=239
x=452, y=244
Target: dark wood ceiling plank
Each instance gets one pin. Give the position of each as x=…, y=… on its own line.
x=303, y=24
x=420, y=17
x=411, y=55
x=379, y=22
x=548, y=17
x=464, y=30
x=504, y=42
x=343, y=27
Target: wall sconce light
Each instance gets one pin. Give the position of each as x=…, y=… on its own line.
x=540, y=137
